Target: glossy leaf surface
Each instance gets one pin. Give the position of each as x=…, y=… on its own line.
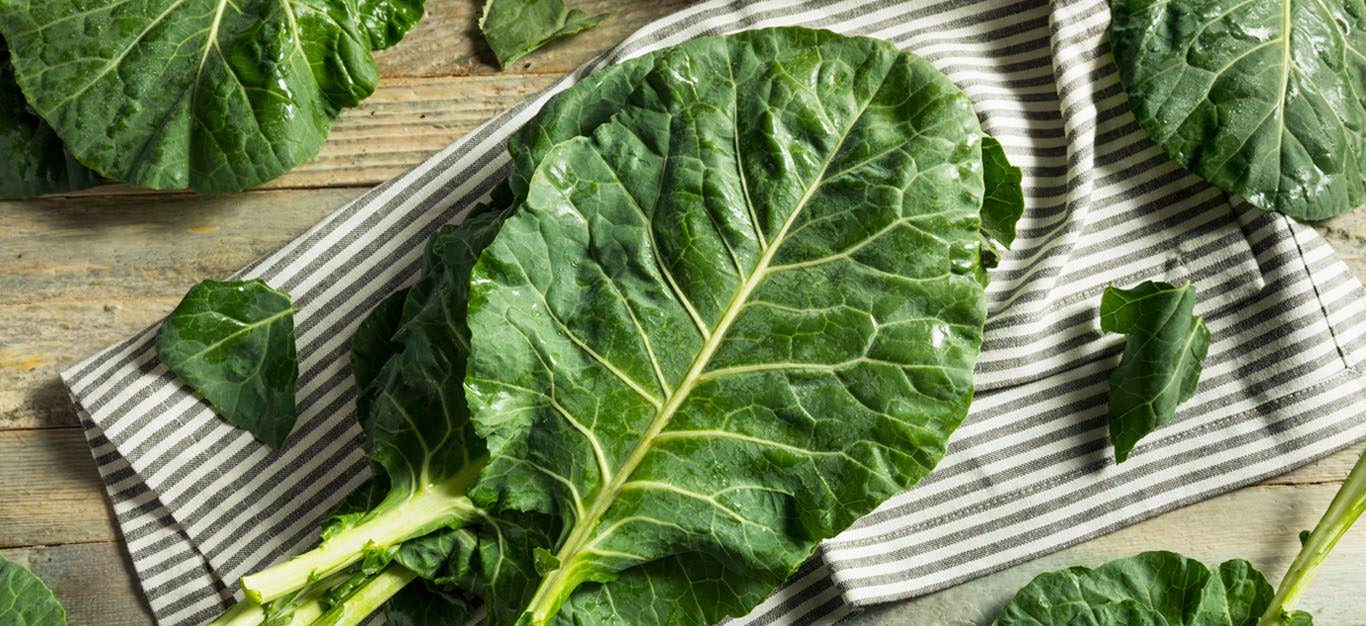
x=1263, y=98
x=1003, y=202
x=1152, y=588
x=33, y=161
x=387, y=21
x=206, y=94
x=233, y=343
x=738, y=316
x=25, y=600
x=373, y=516
x=1165, y=346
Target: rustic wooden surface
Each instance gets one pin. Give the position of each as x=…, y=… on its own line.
x=80, y=272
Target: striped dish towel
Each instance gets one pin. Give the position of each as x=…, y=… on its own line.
x=201, y=504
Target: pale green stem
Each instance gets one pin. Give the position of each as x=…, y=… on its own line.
x=368, y=598
x=244, y=613
x=435, y=506
x=305, y=608
x=1347, y=506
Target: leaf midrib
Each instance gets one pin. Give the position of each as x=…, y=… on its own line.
x=578, y=538
x=239, y=332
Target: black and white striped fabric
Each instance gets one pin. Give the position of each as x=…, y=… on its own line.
x=201, y=504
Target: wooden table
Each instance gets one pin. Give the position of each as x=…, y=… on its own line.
x=80, y=272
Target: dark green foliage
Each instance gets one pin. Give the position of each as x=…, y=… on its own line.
x=1003, y=201
x=880, y=204
x=766, y=259
x=233, y=343
x=1152, y=588
x=25, y=600
x=514, y=28
x=212, y=96
x=33, y=160
x=1165, y=346
x=1262, y=98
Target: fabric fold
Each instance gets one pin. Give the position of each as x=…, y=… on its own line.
x=201, y=503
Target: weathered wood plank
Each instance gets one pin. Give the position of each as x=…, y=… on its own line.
x=50, y=492
x=78, y=274
x=93, y=581
x=1268, y=520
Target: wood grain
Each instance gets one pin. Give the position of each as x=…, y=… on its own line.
x=80, y=272
x=50, y=492
x=93, y=581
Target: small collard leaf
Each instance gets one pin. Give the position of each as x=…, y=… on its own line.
x=1149, y=589
x=1262, y=98
x=514, y=28
x=387, y=21
x=1162, y=355
x=25, y=600
x=33, y=161
x=233, y=343
x=1003, y=202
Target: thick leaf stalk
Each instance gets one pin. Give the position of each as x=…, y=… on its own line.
x=1346, y=508
x=244, y=613
x=368, y=598
x=436, y=506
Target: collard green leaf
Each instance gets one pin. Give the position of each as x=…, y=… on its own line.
x=1152, y=588
x=738, y=316
x=33, y=160
x=1165, y=346
x=382, y=369
x=387, y=21
x=423, y=604
x=214, y=96
x=1263, y=98
x=1003, y=202
x=514, y=28
x=233, y=343
x=25, y=600
x=371, y=347
x=417, y=430
x=1002, y=205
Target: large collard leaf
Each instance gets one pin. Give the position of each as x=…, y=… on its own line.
x=33, y=160
x=233, y=343
x=25, y=600
x=1150, y=588
x=740, y=315
x=1163, y=350
x=211, y=95
x=574, y=112
x=514, y=28
x=1263, y=98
